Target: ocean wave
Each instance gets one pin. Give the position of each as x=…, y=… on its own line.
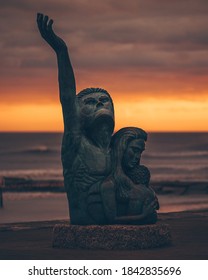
x=199, y=147
x=40, y=149
x=179, y=154
x=179, y=174
x=33, y=173
x=179, y=169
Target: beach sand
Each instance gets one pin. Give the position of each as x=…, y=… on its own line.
x=47, y=206
x=27, y=220
x=32, y=240
x=36, y=206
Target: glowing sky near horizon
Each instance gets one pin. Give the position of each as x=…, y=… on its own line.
x=151, y=55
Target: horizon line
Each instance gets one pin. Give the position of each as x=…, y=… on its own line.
x=148, y=131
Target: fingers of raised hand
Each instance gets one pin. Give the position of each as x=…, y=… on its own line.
x=44, y=24
x=39, y=20
x=50, y=23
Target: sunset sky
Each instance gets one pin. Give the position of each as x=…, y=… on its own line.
x=151, y=55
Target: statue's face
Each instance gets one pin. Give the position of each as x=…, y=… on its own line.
x=94, y=106
x=133, y=153
x=95, y=102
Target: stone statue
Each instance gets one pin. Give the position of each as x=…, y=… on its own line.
x=127, y=147
x=104, y=181
x=125, y=195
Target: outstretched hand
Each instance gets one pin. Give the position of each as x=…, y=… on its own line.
x=46, y=31
x=149, y=207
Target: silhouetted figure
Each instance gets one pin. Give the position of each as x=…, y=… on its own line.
x=88, y=126
x=86, y=154
x=125, y=195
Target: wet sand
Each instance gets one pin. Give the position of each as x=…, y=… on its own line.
x=27, y=220
x=32, y=240
x=47, y=206
x=33, y=206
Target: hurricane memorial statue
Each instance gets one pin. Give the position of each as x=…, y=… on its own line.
x=103, y=178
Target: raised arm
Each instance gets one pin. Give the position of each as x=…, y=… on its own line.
x=67, y=86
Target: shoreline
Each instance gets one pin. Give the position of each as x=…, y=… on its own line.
x=26, y=200
x=31, y=237
x=20, y=184
x=33, y=241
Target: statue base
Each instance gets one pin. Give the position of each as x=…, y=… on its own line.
x=110, y=237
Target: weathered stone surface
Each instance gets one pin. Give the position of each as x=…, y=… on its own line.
x=103, y=177
x=109, y=237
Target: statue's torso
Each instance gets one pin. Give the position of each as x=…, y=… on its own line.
x=90, y=166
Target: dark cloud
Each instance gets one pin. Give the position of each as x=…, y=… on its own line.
x=158, y=36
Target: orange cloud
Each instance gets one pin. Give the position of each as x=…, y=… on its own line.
x=150, y=114
x=151, y=56
x=163, y=114
x=30, y=117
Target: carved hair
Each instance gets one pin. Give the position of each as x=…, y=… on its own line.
x=121, y=139
x=87, y=91
x=119, y=144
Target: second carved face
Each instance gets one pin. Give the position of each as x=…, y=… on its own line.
x=132, y=154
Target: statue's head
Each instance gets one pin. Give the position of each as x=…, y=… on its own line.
x=127, y=146
x=96, y=107
x=133, y=152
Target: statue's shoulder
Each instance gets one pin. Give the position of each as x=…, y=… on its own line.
x=140, y=175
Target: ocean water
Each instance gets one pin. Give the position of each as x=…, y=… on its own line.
x=31, y=155
x=177, y=156
x=169, y=156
